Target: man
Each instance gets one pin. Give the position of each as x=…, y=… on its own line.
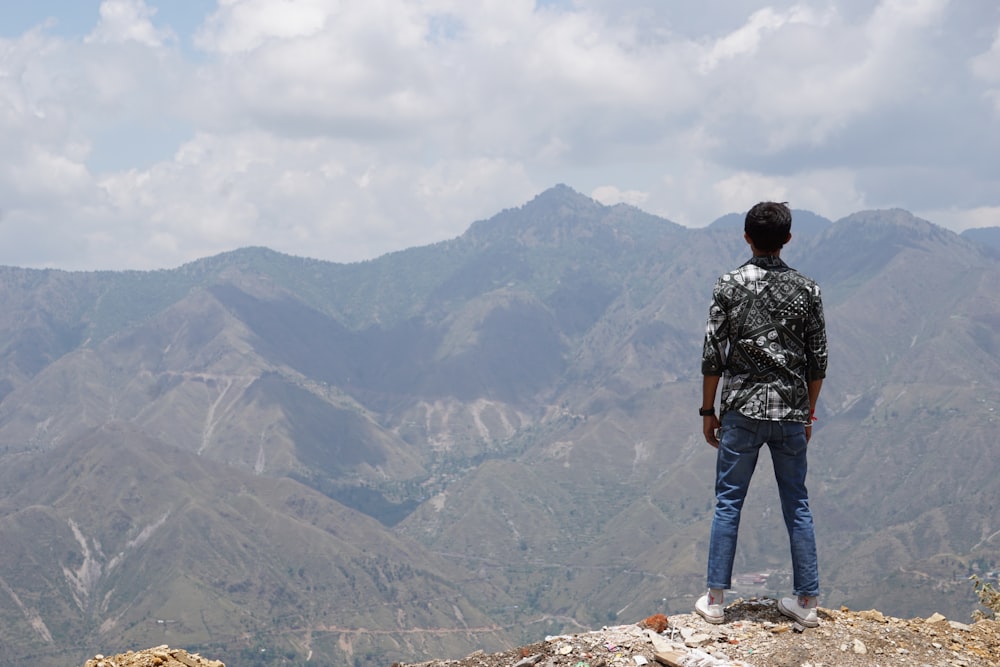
x=767, y=338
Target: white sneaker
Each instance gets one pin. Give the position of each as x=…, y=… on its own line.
x=709, y=607
x=801, y=609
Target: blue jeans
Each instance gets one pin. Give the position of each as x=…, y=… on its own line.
x=740, y=441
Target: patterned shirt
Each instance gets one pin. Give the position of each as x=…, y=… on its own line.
x=766, y=336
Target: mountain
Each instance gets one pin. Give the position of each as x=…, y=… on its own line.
x=987, y=236
x=472, y=444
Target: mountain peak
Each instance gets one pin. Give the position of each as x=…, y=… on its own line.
x=564, y=195
x=892, y=218
x=562, y=214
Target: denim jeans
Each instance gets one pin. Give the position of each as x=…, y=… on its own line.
x=740, y=441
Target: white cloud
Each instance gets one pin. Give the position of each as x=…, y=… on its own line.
x=225, y=192
x=962, y=219
x=746, y=40
x=798, y=77
x=828, y=193
x=243, y=26
x=346, y=129
x=986, y=67
x=609, y=195
x=128, y=20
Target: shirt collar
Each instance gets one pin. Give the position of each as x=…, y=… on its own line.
x=767, y=262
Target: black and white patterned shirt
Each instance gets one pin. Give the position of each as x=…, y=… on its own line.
x=767, y=337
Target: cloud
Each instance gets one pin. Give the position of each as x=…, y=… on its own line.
x=986, y=68
x=239, y=27
x=609, y=195
x=128, y=20
x=344, y=130
x=962, y=219
x=836, y=196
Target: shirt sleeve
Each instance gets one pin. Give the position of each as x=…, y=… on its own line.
x=816, y=343
x=713, y=356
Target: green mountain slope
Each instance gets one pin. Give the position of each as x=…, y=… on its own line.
x=118, y=540
x=470, y=444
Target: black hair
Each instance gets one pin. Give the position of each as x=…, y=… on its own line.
x=768, y=225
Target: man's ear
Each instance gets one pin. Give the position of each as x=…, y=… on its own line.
x=788, y=238
x=746, y=237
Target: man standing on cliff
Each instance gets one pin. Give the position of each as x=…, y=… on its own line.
x=766, y=341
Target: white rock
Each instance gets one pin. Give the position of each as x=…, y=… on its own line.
x=859, y=647
x=698, y=640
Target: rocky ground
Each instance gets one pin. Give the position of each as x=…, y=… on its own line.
x=754, y=634
x=161, y=656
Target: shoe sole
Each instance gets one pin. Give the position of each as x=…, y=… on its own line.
x=714, y=620
x=801, y=621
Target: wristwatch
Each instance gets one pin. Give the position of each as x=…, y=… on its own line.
x=706, y=412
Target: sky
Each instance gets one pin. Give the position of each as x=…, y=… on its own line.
x=144, y=134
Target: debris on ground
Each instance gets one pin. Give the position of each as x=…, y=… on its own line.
x=755, y=634
x=161, y=656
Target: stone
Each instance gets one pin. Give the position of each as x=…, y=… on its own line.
x=187, y=660
x=859, y=647
x=656, y=622
x=873, y=615
x=698, y=639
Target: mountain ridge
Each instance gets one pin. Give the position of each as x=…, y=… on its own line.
x=507, y=415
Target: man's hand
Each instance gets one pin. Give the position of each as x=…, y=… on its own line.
x=710, y=423
x=809, y=432
x=710, y=427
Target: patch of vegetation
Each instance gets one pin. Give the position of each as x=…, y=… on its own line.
x=989, y=597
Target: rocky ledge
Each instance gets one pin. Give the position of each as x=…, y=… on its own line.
x=754, y=635
x=161, y=656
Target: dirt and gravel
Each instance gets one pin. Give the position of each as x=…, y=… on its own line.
x=161, y=656
x=754, y=634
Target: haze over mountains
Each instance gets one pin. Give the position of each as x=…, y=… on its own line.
x=471, y=444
